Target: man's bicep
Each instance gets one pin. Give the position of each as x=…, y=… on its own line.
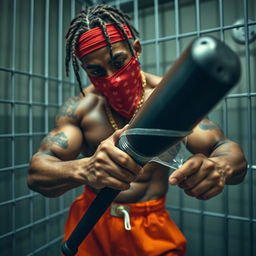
x=205, y=136
x=64, y=142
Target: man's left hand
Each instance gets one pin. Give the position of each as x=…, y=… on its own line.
x=200, y=177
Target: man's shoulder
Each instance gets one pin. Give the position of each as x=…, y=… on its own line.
x=74, y=108
x=152, y=80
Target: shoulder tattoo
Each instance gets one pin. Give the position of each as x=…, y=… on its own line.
x=208, y=125
x=69, y=108
x=59, y=139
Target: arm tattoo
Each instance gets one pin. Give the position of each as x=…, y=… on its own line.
x=59, y=139
x=208, y=125
x=69, y=108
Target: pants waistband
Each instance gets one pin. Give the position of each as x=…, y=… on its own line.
x=135, y=208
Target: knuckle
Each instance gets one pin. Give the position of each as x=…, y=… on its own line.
x=120, y=185
x=100, y=158
x=220, y=186
x=200, y=155
x=192, y=165
x=195, y=162
x=216, y=176
x=209, y=165
x=124, y=186
x=97, y=165
x=104, y=145
x=195, y=192
x=124, y=159
x=99, y=175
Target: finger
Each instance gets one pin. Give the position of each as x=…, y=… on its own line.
x=124, y=160
x=191, y=181
x=187, y=169
x=114, y=183
x=207, y=188
x=206, y=170
x=199, y=189
x=105, y=165
x=214, y=179
x=120, y=173
x=214, y=191
x=116, y=135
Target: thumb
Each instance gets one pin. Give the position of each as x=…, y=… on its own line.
x=116, y=135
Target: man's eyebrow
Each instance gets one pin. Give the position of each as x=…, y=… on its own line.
x=91, y=66
x=117, y=55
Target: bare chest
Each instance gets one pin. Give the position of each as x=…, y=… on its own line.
x=96, y=127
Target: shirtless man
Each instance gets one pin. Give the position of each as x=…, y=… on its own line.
x=86, y=125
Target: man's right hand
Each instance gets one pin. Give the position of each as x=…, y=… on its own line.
x=109, y=166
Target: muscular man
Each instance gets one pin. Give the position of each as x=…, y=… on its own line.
x=137, y=222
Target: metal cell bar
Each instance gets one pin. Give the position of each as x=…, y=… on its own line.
x=9, y=168
x=198, y=20
x=46, y=92
x=178, y=52
x=190, y=34
x=225, y=129
x=242, y=95
x=201, y=204
x=72, y=77
x=18, y=102
x=249, y=122
x=209, y=213
x=157, y=51
x=60, y=50
x=177, y=28
x=60, y=77
x=31, y=36
x=21, y=135
x=136, y=14
x=117, y=3
x=17, y=199
x=19, y=72
x=13, y=120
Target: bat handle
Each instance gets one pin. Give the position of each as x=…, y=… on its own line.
x=87, y=222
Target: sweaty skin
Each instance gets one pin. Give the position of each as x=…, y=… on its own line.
x=83, y=129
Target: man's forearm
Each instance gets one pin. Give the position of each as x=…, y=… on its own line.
x=230, y=157
x=51, y=176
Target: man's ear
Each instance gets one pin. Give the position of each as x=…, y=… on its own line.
x=137, y=47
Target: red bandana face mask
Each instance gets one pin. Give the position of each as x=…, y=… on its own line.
x=123, y=89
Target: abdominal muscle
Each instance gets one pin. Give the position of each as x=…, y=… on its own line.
x=153, y=184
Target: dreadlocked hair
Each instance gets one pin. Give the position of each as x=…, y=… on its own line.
x=91, y=17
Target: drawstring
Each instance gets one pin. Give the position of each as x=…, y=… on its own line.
x=127, y=224
x=121, y=211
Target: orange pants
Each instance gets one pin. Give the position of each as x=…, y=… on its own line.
x=152, y=231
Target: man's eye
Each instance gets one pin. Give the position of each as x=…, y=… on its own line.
x=97, y=73
x=118, y=64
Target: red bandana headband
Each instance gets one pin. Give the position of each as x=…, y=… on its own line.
x=94, y=38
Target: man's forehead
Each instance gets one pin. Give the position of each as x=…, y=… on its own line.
x=103, y=53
